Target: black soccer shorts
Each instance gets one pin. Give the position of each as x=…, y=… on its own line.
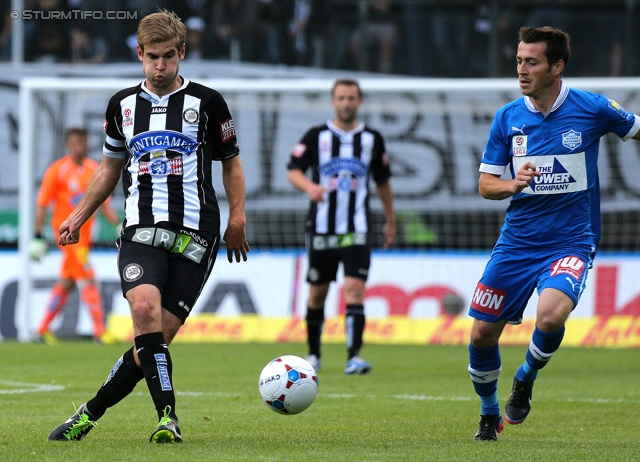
x=178, y=279
x=323, y=264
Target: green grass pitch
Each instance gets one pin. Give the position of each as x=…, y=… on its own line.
x=417, y=404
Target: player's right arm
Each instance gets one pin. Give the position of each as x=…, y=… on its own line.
x=103, y=182
x=298, y=179
x=493, y=187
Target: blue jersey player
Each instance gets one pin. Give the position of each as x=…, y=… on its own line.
x=549, y=140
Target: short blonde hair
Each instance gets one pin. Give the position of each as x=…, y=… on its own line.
x=160, y=27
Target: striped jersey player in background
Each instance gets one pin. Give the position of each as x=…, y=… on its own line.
x=549, y=140
x=342, y=155
x=161, y=138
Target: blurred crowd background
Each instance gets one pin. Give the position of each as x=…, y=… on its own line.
x=430, y=38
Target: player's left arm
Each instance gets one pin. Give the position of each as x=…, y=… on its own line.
x=235, y=235
x=385, y=193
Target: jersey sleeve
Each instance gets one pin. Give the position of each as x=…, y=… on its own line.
x=301, y=155
x=617, y=120
x=380, y=165
x=496, y=156
x=114, y=143
x=222, y=129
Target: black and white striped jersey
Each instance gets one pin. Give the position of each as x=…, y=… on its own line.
x=169, y=144
x=342, y=162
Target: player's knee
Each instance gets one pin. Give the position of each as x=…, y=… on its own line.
x=550, y=322
x=484, y=335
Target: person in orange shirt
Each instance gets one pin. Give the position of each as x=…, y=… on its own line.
x=63, y=185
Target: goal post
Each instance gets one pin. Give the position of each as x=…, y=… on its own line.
x=434, y=129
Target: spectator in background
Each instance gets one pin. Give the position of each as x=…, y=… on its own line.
x=553, y=13
x=49, y=42
x=186, y=9
x=415, y=37
x=47, y=39
x=341, y=20
x=87, y=48
x=479, y=43
x=450, y=31
x=269, y=32
x=197, y=48
x=373, y=44
x=230, y=28
x=298, y=32
x=6, y=26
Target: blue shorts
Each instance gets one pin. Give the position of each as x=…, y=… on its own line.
x=514, y=272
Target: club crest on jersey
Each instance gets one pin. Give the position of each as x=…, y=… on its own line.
x=571, y=139
x=190, y=116
x=132, y=272
x=519, y=145
x=161, y=140
x=161, y=165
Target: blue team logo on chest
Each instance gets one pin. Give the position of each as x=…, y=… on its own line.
x=342, y=173
x=337, y=165
x=571, y=139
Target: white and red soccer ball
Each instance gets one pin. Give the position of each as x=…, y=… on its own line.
x=288, y=385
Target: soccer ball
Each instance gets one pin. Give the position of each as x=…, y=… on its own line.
x=288, y=385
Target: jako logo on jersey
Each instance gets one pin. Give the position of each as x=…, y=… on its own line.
x=488, y=300
x=519, y=145
x=571, y=139
x=227, y=130
x=553, y=178
x=161, y=140
x=337, y=165
x=158, y=110
x=572, y=266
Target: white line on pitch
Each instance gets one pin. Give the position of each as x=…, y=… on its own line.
x=24, y=387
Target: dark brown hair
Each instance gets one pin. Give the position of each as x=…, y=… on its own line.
x=349, y=83
x=558, y=42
